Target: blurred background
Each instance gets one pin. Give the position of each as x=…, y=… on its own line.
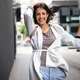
x=15, y=46
x=67, y=15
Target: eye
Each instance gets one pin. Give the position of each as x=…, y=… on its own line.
x=43, y=13
x=37, y=13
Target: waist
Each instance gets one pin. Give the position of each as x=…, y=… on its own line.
x=40, y=50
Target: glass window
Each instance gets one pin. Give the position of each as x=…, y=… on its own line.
x=65, y=11
x=74, y=29
x=75, y=11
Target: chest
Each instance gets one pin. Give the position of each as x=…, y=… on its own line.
x=48, y=39
x=37, y=40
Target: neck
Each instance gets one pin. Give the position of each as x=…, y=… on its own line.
x=44, y=26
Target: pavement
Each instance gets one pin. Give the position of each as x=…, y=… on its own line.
x=20, y=70
x=72, y=57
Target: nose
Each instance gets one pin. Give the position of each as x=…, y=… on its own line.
x=41, y=15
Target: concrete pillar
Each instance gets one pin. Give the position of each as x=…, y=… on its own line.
x=68, y=25
x=68, y=28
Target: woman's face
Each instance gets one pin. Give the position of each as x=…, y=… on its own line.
x=41, y=16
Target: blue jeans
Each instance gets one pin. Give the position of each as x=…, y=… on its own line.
x=50, y=73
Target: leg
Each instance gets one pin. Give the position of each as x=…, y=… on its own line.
x=45, y=72
x=57, y=74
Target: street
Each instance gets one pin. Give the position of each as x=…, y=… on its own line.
x=73, y=59
x=20, y=70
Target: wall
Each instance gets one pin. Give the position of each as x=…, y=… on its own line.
x=6, y=38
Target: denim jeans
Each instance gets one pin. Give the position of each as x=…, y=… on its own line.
x=52, y=73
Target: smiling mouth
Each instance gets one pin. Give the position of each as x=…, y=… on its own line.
x=41, y=20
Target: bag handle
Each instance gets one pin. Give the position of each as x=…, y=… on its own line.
x=33, y=32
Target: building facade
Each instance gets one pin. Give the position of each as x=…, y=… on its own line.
x=7, y=38
x=68, y=15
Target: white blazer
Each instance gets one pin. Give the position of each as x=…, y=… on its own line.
x=53, y=58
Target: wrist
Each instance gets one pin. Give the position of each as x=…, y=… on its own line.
x=31, y=7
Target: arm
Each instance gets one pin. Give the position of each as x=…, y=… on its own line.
x=68, y=38
x=78, y=32
x=28, y=20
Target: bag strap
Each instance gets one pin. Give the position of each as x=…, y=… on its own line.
x=33, y=32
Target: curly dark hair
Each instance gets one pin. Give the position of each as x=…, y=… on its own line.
x=48, y=10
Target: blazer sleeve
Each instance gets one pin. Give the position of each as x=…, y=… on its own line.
x=28, y=20
x=68, y=38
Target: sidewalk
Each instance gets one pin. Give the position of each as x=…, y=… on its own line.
x=20, y=70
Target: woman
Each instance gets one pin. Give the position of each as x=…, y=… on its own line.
x=46, y=63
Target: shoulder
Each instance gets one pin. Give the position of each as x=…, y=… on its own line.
x=58, y=28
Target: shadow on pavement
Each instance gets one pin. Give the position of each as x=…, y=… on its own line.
x=20, y=70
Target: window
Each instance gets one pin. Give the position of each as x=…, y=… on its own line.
x=65, y=11
x=74, y=29
x=75, y=11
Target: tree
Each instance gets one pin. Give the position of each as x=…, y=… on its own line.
x=23, y=30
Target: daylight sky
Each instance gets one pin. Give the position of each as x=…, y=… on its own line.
x=34, y=1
